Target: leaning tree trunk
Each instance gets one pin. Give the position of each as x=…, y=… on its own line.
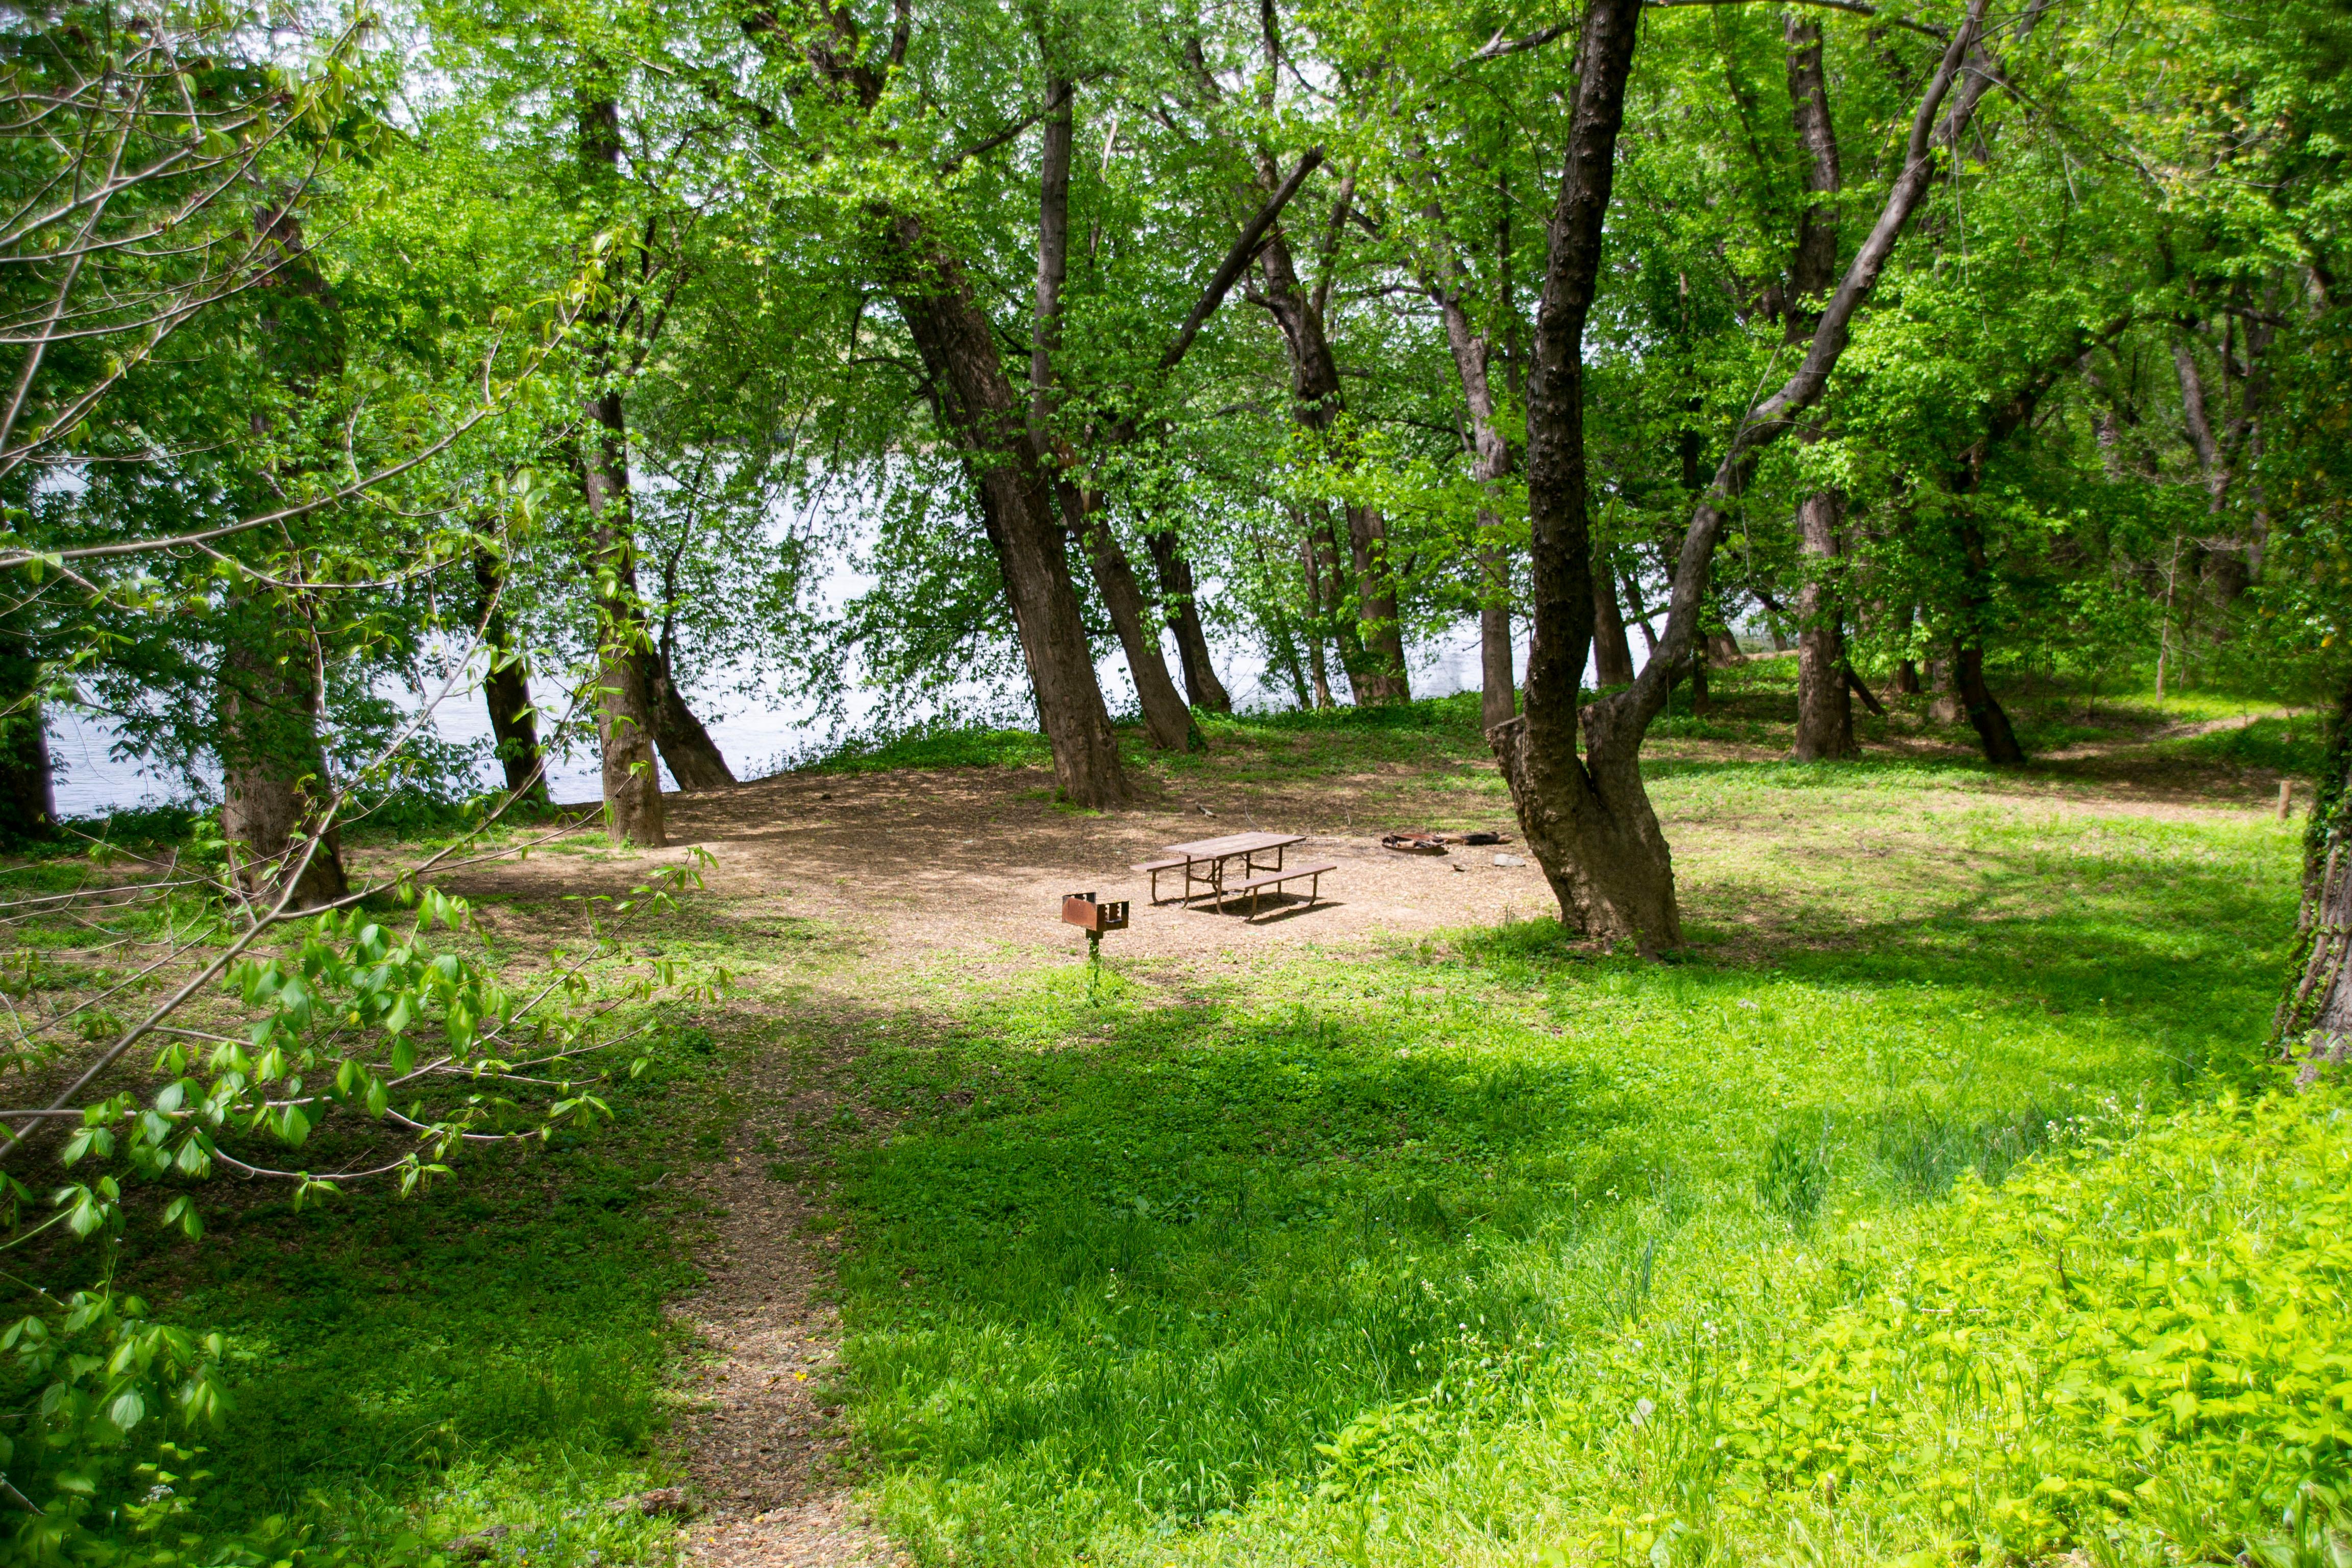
x=695, y=759
x=1179, y=603
x=274, y=801
x=1984, y=713
x=2314, y=1025
x=514, y=723
x=958, y=346
x=1166, y=719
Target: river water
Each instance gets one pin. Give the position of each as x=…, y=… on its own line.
x=758, y=736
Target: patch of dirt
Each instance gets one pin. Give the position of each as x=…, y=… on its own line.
x=976, y=860
x=770, y=1468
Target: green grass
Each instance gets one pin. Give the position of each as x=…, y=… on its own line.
x=494, y=1353
x=1348, y=1257
x=939, y=748
x=1185, y=1274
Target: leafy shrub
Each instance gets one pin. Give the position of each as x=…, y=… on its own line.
x=2138, y=1348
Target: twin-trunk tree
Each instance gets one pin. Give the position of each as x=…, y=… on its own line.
x=638, y=706
x=1588, y=818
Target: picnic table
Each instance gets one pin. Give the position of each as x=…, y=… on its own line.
x=1204, y=859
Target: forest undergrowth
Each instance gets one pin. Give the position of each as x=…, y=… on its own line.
x=1934, y=1204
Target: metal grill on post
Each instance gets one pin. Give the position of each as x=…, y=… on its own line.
x=1082, y=911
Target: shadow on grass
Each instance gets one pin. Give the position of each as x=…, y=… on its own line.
x=1139, y=1261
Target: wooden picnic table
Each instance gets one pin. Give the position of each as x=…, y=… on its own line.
x=1212, y=854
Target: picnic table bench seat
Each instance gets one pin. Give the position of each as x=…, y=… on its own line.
x=1256, y=885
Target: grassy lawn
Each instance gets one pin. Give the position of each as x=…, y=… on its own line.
x=1424, y=1253
x=1185, y=1274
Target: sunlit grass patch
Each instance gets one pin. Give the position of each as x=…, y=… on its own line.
x=1276, y=1272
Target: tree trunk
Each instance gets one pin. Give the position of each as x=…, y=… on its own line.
x=958, y=345
x=1490, y=461
x=986, y=418
x=694, y=759
x=1590, y=822
x=514, y=724
x=625, y=722
x=1167, y=721
x=1178, y=601
x=1906, y=671
x=1824, y=703
x=28, y=796
x=29, y=799
x=273, y=774
x=1944, y=703
x=1497, y=688
x=1984, y=713
x=624, y=703
x=1723, y=650
x=2314, y=1024
x=1587, y=820
x=1383, y=678
x=1315, y=632
x=1612, y=655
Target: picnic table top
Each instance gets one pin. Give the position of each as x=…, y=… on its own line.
x=1234, y=844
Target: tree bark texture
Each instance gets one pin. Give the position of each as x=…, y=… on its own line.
x=1825, y=705
x=2314, y=1024
x=695, y=759
x=1587, y=820
x=1166, y=718
x=1943, y=692
x=1179, y=605
x=1824, y=702
x=514, y=725
x=1612, y=655
x=1985, y=713
x=625, y=703
x=273, y=775
x=1590, y=821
